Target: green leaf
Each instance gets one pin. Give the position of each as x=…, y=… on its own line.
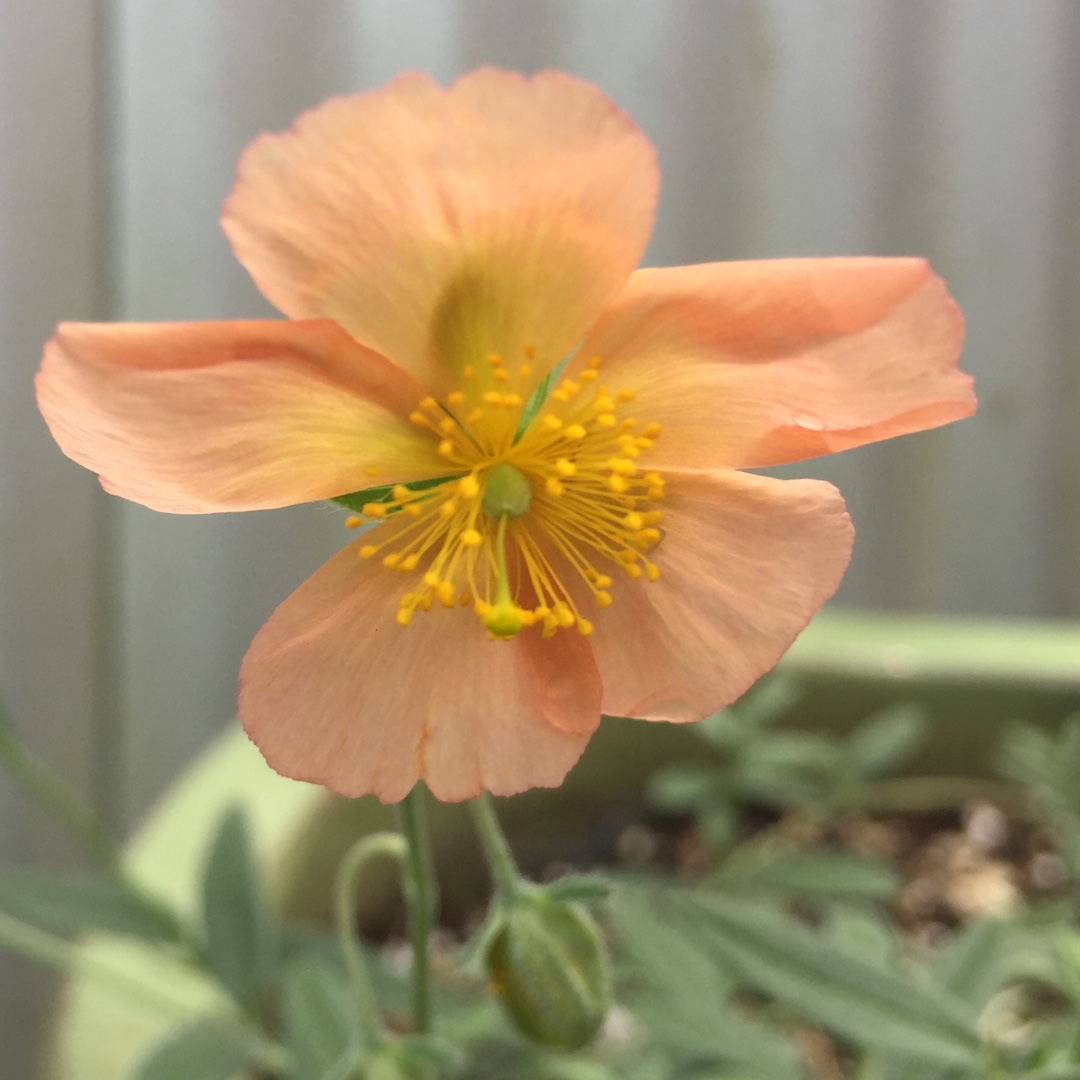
x=203, y=1051
x=871, y=1004
x=383, y=493
x=685, y=1001
x=886, y=740
x=824, y=875
x=320, y=1019
x=578, y=887
x=540, y=394
x=975, y=963
x=241, y=943
x=768, y=701
x=77, y=904
x=681, y=788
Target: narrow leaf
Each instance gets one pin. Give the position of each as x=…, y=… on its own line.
x=886, y=740
x=975, y=962
x=681, y=788
x=540, y=395
x=825, y=875
x=203, y=1051
x=320, y=1023
x=384, y=493
x=77, y=904
x=241, y=945
x=578, y=887
x=872, y=1004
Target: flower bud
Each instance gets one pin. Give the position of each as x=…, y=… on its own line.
x=548, y=965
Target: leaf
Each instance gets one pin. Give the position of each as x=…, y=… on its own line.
x=77, y=904
x=768, y=701
x=540, y=394
x=579, y=887
x=975, y=963
x=686, y=999
x=242, y=947
x=320, y=1019
x=383, y=493
x=871, y=1004
x=824, y=875
x=203, y=1051
x=886, y=740
x=681, y=788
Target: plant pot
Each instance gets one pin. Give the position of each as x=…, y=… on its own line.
x=973, y=677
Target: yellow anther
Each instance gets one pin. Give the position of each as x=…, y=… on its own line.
x=654, y=493
x=431, y=579
x=563, y=615
x=551, y=422
x=446, y=425
x=555, y=486
x=649, y=536
x=469, y=371
x=630, y=451
x=403, y=617
x=652, y=571
x=652, y=430
x=468, y=486
x=493, y=397
x=374, y=510
x=618, y=483
x=409, y=562
x=445, y=592
x=634, y=521
x=628, y=424
x=401, y=492
x=512, y=400
x=353, y=521
x=475, y=416
x=633, y=570
x=391, y=560
x=588, y=376
x=411, y=509
x=494, y=359
x=551, y=624
x=602, y=581
x=530, y=352
x=652, y=517
x=603, y=598
x=541, y=612
x=559, y=394
x=604, y=404
x=626, y=556
x=501, y=375
x=367, y=551
x=455, y=398
x=570, y=386
x=584, y=627
x=425, y=602
x=448, y=509
x=624, y=396
x=472, y=538
x=605, y=420
x=621, y=465
x=417, y=417
x=446, y=448
x=525, y=370
x=594, y=363
x=565, y=467
x=504, y=620
x=574, y=432
x=654, y=478
x=430, y=404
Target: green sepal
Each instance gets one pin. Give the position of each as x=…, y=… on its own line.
x=384, y=493
x=540, y=394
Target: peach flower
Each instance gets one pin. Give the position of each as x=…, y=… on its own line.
x=437, y=253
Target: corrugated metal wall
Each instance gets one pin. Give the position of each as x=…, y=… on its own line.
x=785, y=127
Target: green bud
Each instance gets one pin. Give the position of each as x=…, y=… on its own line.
x=548, y=965
x=507, y=492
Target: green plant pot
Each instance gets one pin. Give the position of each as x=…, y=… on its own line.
x=972, y=676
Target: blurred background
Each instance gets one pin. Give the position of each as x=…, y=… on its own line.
x=946, y=128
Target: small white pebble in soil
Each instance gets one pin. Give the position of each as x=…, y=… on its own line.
x=988, y=890
x=986, y=827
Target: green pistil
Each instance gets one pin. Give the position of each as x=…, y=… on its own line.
x=507, y=492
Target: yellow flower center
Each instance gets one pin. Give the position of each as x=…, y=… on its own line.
x=565, y=501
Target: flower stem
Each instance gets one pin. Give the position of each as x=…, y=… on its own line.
x=40, y=782
x=421, y=899
x=362, y=852
x=504, y=870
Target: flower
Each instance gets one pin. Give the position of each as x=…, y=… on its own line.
x=438, y=253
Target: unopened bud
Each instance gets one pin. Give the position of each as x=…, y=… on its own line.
x=548, y=965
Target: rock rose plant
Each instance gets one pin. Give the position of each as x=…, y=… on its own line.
x=545, y=439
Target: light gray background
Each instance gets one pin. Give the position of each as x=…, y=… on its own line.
x=785, y=127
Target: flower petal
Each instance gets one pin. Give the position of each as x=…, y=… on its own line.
x=201, y=417
x=759, y=363
x=333, y=691
x=744, y=563
x=438, y=226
